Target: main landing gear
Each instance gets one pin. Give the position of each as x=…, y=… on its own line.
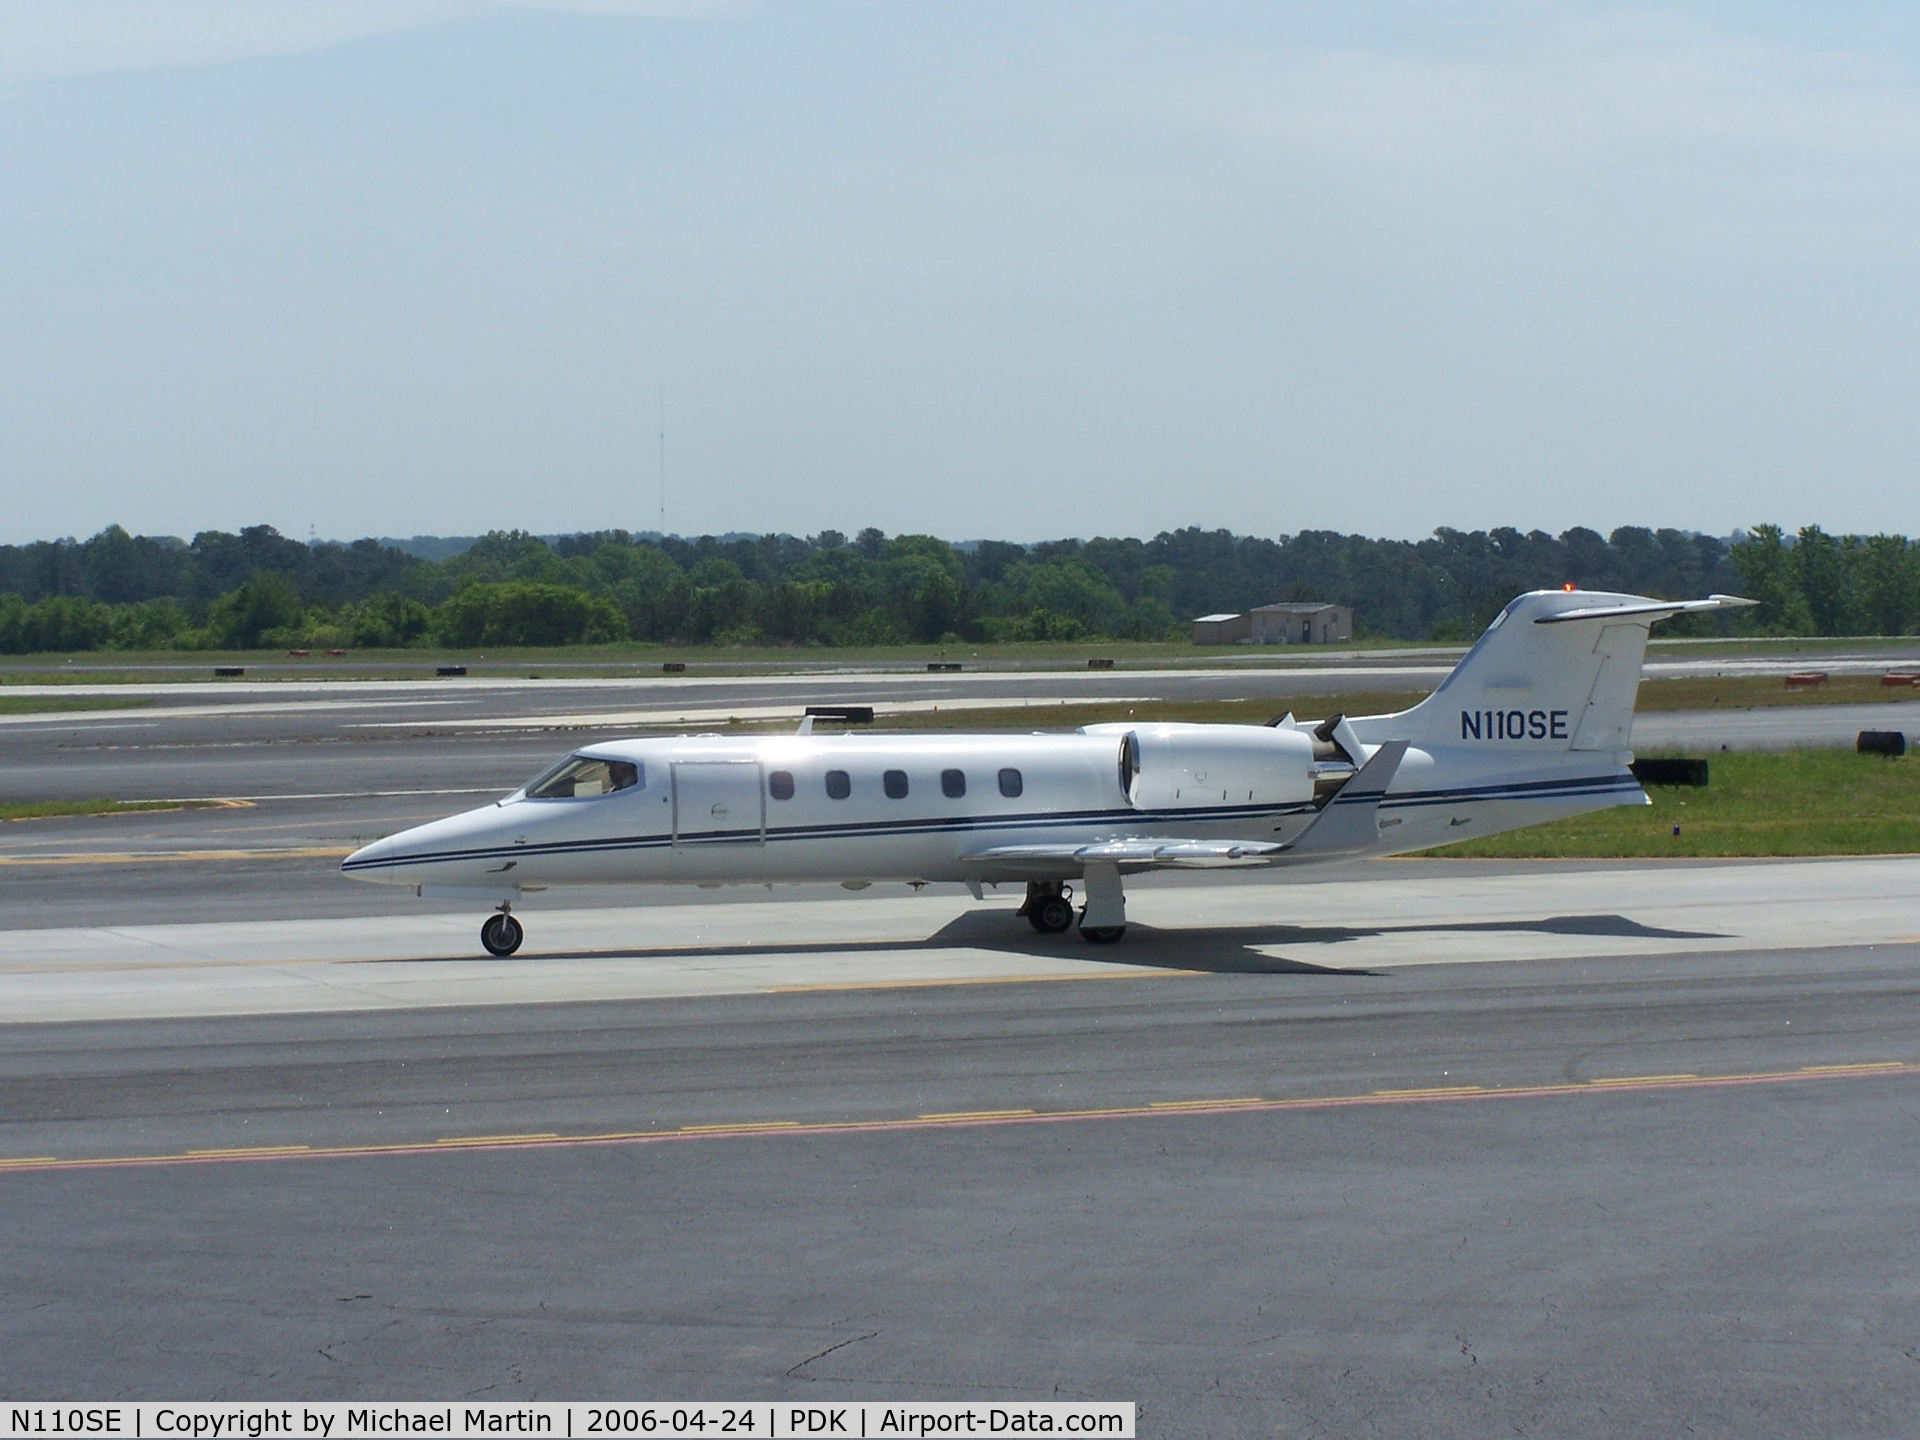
x=1103, y=919
x=1047, y=908
x=502, y=933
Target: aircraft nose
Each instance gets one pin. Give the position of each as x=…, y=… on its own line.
x=367, y=858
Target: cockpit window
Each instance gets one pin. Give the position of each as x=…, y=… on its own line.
x=579, y=777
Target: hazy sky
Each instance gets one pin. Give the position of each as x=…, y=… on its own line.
x=1016, y=270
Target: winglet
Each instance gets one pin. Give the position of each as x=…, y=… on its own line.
x=1350, y=823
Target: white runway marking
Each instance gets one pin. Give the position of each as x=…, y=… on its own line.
x=724, y=714
x=114, y=718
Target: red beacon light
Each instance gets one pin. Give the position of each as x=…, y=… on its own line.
x=1567, y=586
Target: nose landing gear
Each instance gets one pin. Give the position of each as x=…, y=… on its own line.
x=502, y=933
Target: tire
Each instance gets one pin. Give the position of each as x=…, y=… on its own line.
x=1103, y=934
x=501, y=935
x=1051, y=915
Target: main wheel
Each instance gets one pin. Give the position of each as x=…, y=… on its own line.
x=1050, y=915
x=1103, y=934
x=501, y=934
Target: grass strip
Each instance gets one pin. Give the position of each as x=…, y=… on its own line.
x=1763, y=692
x=43, y=704
x=1739, y=692
x=56, y=809
x=1795, y=802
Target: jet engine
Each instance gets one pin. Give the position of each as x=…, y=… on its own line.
x=1189, y=767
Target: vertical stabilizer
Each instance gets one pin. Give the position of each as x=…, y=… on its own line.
x=1557, y=670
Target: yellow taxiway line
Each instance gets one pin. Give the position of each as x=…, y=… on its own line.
x=975, y=1114
x=1642, y=1079
x=174, y=857
x=966, y=1119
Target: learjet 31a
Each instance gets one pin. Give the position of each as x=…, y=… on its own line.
x=1531, y=725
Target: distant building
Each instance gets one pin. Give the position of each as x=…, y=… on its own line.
x=1307, y=623
x=1300, y=623
x=1223, y=629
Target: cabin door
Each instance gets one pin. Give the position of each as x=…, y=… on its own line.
x=718, y=802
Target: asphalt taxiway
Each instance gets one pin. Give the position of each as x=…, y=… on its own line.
x=1413, y=1148
x=1425, y=1149
x=1623, y=1195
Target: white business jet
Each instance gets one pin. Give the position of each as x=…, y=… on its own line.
x=1530, y=726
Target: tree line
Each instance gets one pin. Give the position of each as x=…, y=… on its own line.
x=260, y=589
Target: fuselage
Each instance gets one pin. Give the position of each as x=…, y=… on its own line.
x=867, y=807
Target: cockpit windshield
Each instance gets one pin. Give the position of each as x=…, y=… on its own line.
x=579, y=777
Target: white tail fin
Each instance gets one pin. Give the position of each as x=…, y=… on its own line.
x=1556, y=670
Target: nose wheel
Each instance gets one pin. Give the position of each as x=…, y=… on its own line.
x=502, y=934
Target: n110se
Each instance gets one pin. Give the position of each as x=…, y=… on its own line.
x=1530, y=726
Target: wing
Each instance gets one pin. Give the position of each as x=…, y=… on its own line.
x=1349, y=825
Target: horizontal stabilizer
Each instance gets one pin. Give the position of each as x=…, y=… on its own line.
x=1655, y=609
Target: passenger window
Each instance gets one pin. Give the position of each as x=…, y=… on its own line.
x=838, y=786
x=579, y=777
x=1011, y=784
x=780, y=784
x=953, y=783
x=894, y=782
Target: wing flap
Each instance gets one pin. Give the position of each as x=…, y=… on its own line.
x=1146, y=852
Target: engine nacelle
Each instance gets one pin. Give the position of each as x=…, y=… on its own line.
x=1192, y=766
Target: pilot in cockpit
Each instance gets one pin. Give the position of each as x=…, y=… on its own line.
x=580, y=776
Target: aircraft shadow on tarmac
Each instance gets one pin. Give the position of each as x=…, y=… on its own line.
x=1227, y=950
x=1238, y=950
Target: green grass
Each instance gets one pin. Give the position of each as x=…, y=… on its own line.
x=39, y=704
x=1744, y=692
x=1772, y=646
x=1798, y=802
x=1750, y=692
x=633, y=658
x=56, y=809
